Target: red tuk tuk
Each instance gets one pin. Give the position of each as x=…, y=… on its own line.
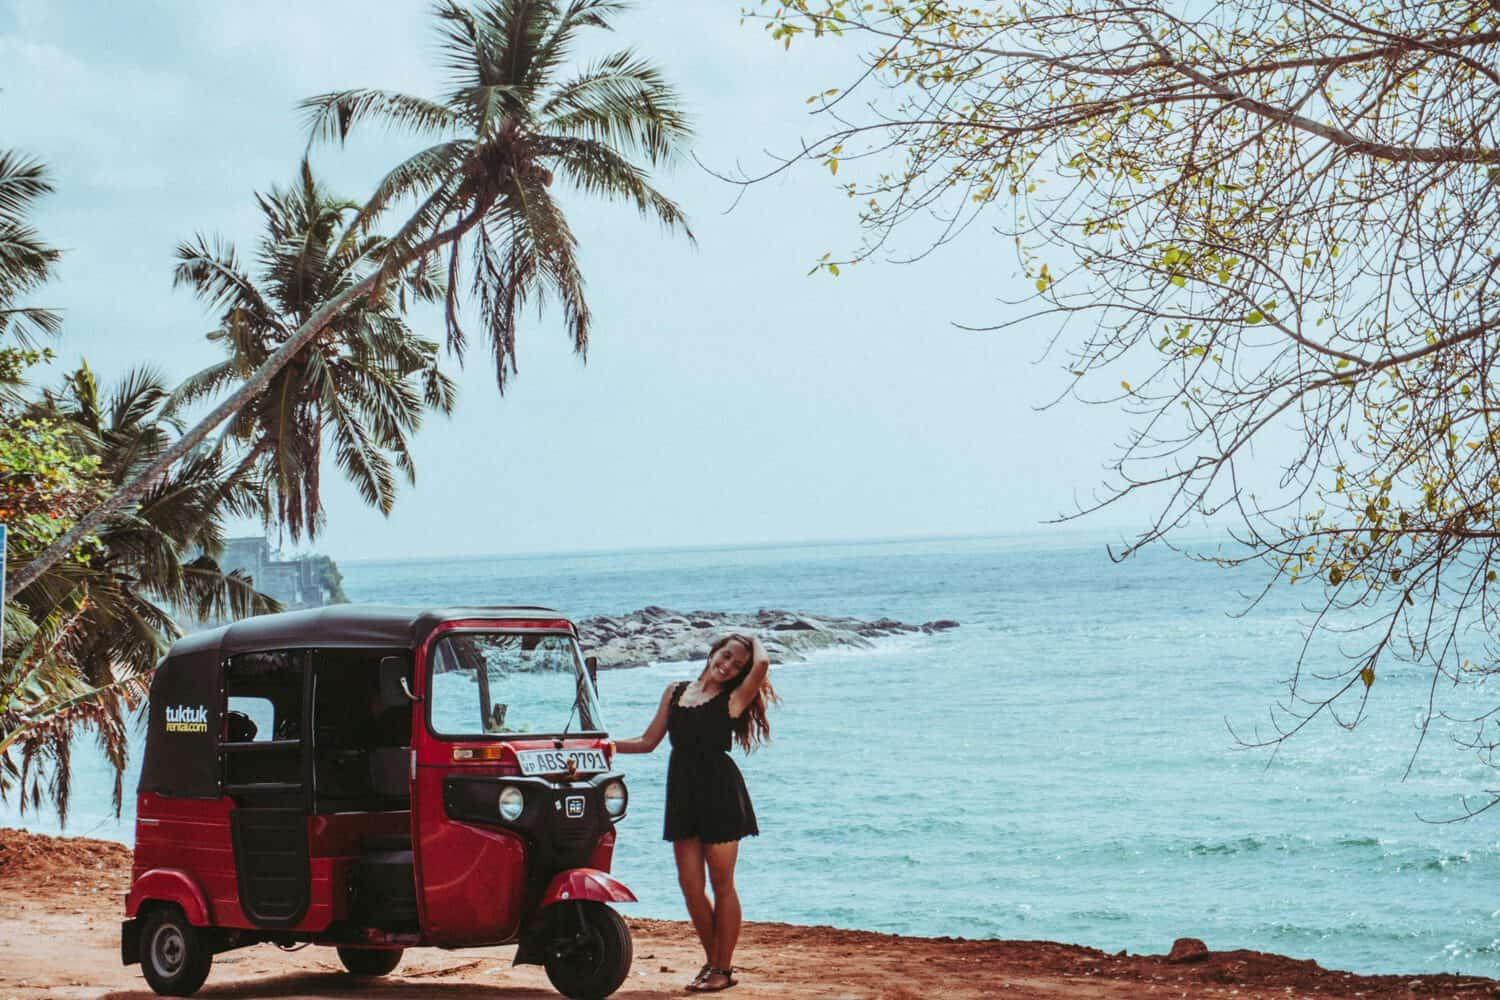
x=376, y=779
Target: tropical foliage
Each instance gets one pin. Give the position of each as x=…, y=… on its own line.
x=99, y=622
x=1273, y=225
x=365, y=383
x=513, y=120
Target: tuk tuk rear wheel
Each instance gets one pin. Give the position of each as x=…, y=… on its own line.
x=589, y=955
x=175, y=955
x=370, y=961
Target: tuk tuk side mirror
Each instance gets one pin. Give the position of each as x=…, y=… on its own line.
x=395, y=688
x=591, y=664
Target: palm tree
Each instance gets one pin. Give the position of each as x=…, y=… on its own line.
x=509, y=124
x=96, y=624
x=366, y=382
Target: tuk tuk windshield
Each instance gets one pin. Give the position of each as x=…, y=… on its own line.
x=486, y=684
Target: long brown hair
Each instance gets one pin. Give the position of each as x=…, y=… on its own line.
x=752, y=729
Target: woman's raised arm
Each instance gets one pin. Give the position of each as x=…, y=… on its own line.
x=652, y=737
x=749, y=688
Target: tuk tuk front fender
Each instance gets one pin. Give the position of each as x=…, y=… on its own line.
x=168, y=885
x=578, y=883
x=586, y=883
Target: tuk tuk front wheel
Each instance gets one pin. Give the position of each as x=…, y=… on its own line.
x=175, y=955
x=370, y=961
x=589, y=955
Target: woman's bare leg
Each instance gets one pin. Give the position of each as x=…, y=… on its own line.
x=721, y=859
x=689, y=855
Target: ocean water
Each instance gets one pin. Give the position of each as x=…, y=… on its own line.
x=1059, y=767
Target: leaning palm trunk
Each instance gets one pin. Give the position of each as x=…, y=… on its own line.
x=304, y=335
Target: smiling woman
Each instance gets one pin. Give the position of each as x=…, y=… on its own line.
x=708, y=807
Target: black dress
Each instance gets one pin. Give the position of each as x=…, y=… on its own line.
x=706, y=796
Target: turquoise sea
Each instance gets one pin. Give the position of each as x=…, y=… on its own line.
x=1059, y=767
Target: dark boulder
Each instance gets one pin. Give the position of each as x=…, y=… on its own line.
x=1187, y=950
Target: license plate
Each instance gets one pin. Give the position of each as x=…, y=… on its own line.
x=556, y=761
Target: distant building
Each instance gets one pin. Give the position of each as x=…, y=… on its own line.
x=302, y=582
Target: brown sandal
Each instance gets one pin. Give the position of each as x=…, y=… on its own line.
x=701, y=985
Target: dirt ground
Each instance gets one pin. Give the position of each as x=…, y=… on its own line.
x=60, y=908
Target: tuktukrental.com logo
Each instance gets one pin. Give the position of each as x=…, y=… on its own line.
x=182, y=719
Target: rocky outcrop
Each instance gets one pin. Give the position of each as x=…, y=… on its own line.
x=1187, y=950
x=659, y=635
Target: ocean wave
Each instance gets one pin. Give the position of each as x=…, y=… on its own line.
x=1241, y=845
x=1390, y=856
x=1367, y=933
x=1110, y=915
x=1360, y=842
x=1460, y=949
x=1443, y=862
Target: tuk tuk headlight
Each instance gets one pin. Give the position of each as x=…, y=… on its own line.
x=615, y=798
x=511, y=803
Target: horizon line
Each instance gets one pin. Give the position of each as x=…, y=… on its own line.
x=1080, y=533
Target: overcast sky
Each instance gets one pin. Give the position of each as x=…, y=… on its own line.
x=727, y=398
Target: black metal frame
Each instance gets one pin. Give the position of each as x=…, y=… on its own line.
x=498, y=737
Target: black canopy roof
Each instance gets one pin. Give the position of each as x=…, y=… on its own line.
x=341, y=626
x=182, y=741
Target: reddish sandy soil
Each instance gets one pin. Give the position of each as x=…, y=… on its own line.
x=60, y=907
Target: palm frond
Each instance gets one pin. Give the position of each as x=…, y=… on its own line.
x=25, y=264
x=205, y=383
x=459, y=42
x=518, y=30
x=212, y=269
x=624, y=101
x=540, y=231
x=28, y=325
x=503, y=280
x=215, y=595
x=359, y=457
x=136, y=399
x=594, y=168
x=22, y=181
x=330, y=116
x=421, y=172
x=558, y=46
